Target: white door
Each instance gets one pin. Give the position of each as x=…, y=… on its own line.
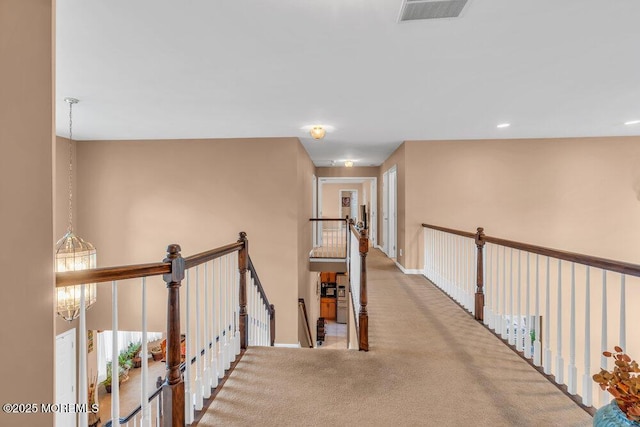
x=355, y=212
x=385, y=213
x=392, y=212
x=373, y=220
x=314, y=211
x=66, y=376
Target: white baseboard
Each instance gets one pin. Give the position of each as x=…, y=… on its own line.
x=409, y=270
x=378, y=247
x=286, y=345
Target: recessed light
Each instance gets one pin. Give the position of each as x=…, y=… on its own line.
x=632, y=122
x=503, y=125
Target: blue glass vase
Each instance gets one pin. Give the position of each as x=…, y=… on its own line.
x=611, y=416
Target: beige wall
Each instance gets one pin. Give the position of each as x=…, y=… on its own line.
x=331, y=202
x=136, y=197
x=26, y=184
x=578, y=194
x=356, y=172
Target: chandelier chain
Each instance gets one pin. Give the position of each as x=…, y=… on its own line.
x=70, y=227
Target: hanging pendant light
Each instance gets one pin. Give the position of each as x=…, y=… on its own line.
x=72, y=252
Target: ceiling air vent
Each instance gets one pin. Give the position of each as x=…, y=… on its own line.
x=431, y=9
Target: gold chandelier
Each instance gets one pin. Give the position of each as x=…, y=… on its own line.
x=73, y=253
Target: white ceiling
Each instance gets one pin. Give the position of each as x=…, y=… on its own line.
x=147, y=69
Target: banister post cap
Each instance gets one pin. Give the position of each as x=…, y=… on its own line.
x=177, y=264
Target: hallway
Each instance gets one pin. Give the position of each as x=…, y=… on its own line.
x=430, y=363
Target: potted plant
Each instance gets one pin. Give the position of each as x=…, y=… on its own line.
x=623, y=382
x=157, y=353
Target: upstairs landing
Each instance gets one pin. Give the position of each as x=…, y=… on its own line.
x=430, y=364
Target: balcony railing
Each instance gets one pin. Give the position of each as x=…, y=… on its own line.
x=540, y=301
x=223, y=316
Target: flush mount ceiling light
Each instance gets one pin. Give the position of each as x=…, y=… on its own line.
x=503, y=125
x=317, y=132
x=632, y=122
x=73, y=253
x=348, y=163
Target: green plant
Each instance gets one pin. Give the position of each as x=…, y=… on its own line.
x=623, y=382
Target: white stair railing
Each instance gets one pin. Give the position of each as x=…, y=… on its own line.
x=539, y=300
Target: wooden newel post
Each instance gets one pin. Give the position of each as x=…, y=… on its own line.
x=272, y=325
x=243, y=265
x=173, y=387
x=363, y=316
x=480, y=275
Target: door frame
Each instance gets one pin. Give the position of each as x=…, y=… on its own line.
x=62, y=418
x=390, y=211
x=373, y=214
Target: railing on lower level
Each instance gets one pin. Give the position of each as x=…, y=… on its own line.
x=539, y=300
x=359, y=247
x=223, y=316
x=330, y=238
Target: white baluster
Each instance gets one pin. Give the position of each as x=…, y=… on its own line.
x=559, y=358
x=488, y=288
x=572, y=370
x=511, y=317
x=206, y=374
x=220, y=325
x=498, y=312
x=145, y=413
x=518, y=314
x=188, y=393
x=503, y=314
x=213, y=368
x=547, y=323
x=623, y=314
x=236, y=296
x=115, y=366
x=197, y=383
x=228, y=315
x=527, y=316
x=587, y=384
x=83, y=417
x=537, y=347
x=604, y=395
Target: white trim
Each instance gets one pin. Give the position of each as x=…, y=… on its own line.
x=285, y=345
x=379, y=247
x=409, y=270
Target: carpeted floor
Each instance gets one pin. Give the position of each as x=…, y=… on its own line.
x=429, y=364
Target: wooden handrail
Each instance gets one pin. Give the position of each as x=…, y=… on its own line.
x=306, y=320
x=108, y=274
x=206, y=256
x=592, y=261
x=270, y=307
x=450, y=230
x=259, y=284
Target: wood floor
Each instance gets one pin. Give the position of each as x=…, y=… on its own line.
x=130, y=391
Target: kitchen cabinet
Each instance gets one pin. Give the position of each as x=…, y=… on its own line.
x=328, y=308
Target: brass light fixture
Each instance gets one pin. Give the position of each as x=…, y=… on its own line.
x=72, y=252
x=317, y=132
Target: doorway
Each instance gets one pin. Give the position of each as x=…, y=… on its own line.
x=389, y=209
x=65, y=376
x=367, y=194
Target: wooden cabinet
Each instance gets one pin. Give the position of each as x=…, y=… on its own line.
x=328, y=308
